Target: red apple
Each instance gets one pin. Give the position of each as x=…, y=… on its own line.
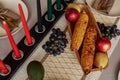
x=103, y=44
x=72, y=15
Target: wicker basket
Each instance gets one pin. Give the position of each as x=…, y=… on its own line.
x=92, y=22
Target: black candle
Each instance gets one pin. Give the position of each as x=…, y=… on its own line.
x=39, y=16
x=49, y=6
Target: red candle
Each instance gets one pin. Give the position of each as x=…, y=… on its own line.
x=3, y=67
x=25, y=26
x=14, y=46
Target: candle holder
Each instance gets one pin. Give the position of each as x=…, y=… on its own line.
x=33, y=41
x=43, y=29
x=22, y=54
x=50, y=20
x=61, y=8
x=37, y=38
x=8, y=67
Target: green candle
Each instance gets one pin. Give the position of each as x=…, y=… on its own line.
x=58, y=4
x=49, y=6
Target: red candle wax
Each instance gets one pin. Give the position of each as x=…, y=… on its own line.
x=14, y=46
x=3, y=67
x=25, y=26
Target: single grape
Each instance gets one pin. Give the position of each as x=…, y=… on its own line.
x=117, y=32
x=63, y=46
x=65, y=41
x=57, y=52
x=114, y=26
x=103, y=34
x=113, y=29
x=112, y=35
x=58, y=31
x=48, y=50
x=61, y=50
x=102, y=27
x=55, y=47
x=107, y=34
x=56, y=41
x=108, y=28
x=54, y=30
x=62, y=42
x=51, y=52
x=44, y=46
x=48, y=43
x=52, y=38
x=50, y=47
x=60, y=36
x=54, y=35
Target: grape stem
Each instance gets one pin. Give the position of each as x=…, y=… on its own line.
x=44, y=58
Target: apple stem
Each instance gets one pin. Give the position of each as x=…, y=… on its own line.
x=101, y=69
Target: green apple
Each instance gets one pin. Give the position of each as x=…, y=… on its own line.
x=101, y=60
x=75, y=6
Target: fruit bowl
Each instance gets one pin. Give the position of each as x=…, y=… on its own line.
x=91, y=22
x=13, y=7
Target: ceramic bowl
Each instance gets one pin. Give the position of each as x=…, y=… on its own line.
x=12, y=5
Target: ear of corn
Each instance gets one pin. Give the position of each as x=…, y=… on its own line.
x=79, y=31
x=88, y=49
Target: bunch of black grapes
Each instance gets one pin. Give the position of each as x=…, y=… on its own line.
x=57, y=42
x=109, y=31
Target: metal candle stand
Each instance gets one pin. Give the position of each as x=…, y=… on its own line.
x=14, y=64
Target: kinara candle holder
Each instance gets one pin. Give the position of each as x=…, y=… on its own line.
x=37, y=36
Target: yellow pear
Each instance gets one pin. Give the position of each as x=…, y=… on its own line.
x=101, y=60
x=75, y=6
